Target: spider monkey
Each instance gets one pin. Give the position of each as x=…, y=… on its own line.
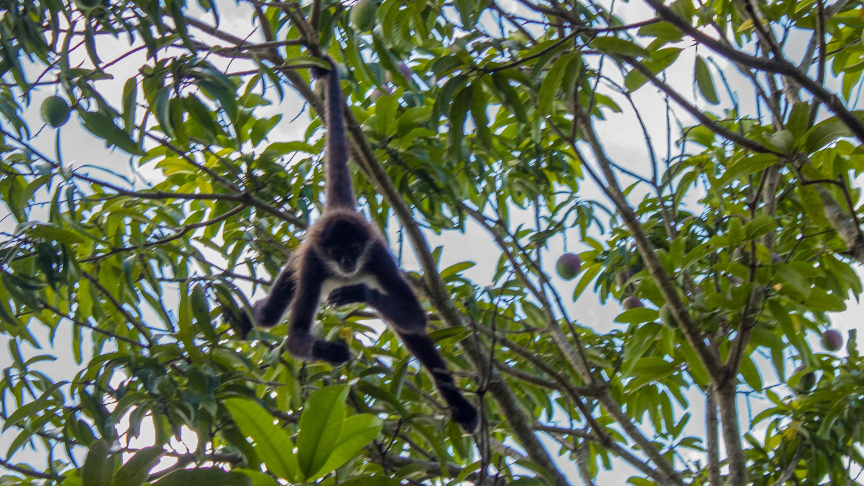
x=345, y=257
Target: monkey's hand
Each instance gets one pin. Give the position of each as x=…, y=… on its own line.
x=352, y=294
x=333, y=352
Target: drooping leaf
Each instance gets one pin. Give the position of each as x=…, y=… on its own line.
x=204, y=477
x=98, y=467
x=704, y=81
x=357, y=432
x=103, y=127
x=320, y=426
x=272, y=444
x=137, y=469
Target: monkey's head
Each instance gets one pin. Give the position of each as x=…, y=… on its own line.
x=343, y=244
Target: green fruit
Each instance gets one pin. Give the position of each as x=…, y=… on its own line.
x=632, y=303
x=832, y=340
x=362, y=15
x=55, y=111
x=568, y=266
x=667, y=317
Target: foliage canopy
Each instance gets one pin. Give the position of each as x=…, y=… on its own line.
x=742, y=239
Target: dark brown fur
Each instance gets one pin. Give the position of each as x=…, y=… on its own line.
x=345, y=255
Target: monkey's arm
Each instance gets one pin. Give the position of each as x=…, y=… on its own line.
x=268, y=311
x=397, y=303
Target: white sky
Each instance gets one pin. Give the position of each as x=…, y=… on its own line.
x=620, y=133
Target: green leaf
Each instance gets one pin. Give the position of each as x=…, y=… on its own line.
x=226, y=97
x=273, y=445
x=588, y=276
x=509, y=97
x=458, y=115
x=52, y=232
x=616, y=45
x=130, y=96
x=823, y=134
x=98, y=468
x=455, y=269
x=637, y=316
x=745, y=167
x=162, y=108
x=137, y=469
x=320, y=426
x=444, y=65
x=357, y=432
x=799, y=116
x=204, y=477
x=660, y=60
x=762, y=224
x=201, y=311
x=479, y=104
x=258, y=477
x=784, y=141
x=703, y=80
x=750, y=373
x=445, y=96
x=551, y=83
x=103, y=127
x=661, y=30
x=794, y=278
x=651, y=365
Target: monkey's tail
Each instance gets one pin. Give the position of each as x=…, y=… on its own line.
x=340, y=192
x=422, y=347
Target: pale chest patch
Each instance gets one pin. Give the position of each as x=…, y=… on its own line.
x=332, y=283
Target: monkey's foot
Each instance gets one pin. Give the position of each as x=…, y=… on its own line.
x=467, y=417
x=334, y=353
x=464, y=412
x=352, y=294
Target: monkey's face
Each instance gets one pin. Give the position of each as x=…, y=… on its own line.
x=342, y=244
x=345, y=256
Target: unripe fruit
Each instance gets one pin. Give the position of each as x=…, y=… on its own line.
x=807, y=381
x=667, y=317
x=832, y=340
x=55, y=111
x=362, y=15
x=568, y=266
x=631, y=303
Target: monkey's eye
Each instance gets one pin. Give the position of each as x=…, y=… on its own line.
x=355, y=248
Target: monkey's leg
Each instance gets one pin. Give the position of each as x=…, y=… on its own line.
x=422, y=347
x=301, y=343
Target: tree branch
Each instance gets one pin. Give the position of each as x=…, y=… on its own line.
x=695, y=112
x=778, y=66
